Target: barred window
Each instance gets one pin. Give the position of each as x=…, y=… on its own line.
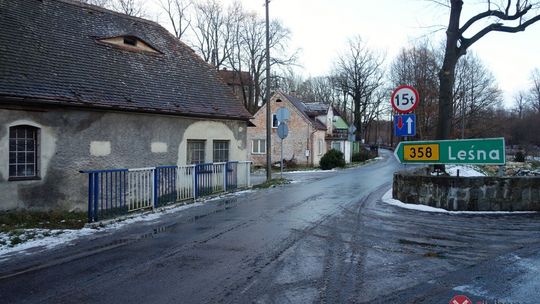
x=258, y=146
x=221, y=151
x=23, y=152
x=195, y=151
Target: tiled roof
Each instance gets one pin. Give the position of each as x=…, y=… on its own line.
x=236, y=77
x=301, y=106
x=49, y=53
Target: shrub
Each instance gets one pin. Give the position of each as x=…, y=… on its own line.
x=332, y=159
x=519, y=157
x=361, y=156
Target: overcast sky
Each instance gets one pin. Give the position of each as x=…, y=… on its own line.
x=320, y=28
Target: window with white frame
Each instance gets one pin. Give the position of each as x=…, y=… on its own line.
x=221, y=151
x=258, y=146
x=320, y=146
x=23, y=152
x=195, y=151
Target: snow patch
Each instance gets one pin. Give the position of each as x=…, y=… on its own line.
x=46, y=239
x=464, y=171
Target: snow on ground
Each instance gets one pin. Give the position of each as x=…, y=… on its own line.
x=465, y=171
x=50, y=238
x=387, y=198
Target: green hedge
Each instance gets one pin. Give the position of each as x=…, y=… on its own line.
x=332, y=159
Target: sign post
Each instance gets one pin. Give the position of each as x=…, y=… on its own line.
x=487, y=151
x=282, y=116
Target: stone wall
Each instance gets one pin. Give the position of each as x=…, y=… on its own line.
x=468, y=193
x=73, y=140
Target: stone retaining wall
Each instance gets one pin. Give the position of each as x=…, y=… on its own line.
x=468, y=193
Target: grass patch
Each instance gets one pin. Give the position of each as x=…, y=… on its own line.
x=272, y=183
x=11, y=221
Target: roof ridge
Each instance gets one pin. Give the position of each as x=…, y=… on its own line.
x=106, y=10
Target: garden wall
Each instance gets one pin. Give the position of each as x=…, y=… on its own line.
x=468, y=193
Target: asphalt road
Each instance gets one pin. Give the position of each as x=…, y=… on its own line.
x=325, y=239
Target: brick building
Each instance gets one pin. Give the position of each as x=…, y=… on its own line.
x=314, y=128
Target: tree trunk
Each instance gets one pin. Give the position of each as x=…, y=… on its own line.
x=357, y=119
x=447, y=74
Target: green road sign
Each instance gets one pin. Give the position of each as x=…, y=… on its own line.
x=486, y=151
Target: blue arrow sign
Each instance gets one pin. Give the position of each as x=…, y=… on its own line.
x=405, y=125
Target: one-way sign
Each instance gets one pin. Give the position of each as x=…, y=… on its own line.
x=405, y=125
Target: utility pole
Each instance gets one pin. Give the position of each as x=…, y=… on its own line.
x=268, y=110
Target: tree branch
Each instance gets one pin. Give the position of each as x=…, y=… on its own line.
x=494, y=13
x=498, y=27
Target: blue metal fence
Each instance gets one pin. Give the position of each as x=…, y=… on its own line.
x=119, y=191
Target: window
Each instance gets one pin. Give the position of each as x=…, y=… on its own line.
x=258, y=146
x=275, y=122
x=195, y=151
x=336, y=145
x=221, y=151
x=320, y=146
x=130, y=40
x=23, y=152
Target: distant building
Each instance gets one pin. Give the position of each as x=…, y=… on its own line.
x=82, y=87
x=314, y=128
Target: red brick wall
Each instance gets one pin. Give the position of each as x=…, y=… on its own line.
x=300, y=138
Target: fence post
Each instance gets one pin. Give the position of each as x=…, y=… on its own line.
x=96, y=197
x=155, y=187
x=225, y=176
x=196, y=181
x=248, y=173
x=90, y=196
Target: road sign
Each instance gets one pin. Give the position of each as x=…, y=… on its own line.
x=282, y=130
x=351, y=136
x=283, y=114
x=405, y=99
x=487, y=151
x=405, y=125
x=460, y=299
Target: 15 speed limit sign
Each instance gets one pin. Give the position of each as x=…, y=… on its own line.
x=405, y=99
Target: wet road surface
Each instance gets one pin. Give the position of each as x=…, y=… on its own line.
x=326, y=239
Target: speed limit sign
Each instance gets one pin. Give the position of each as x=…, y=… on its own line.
x=405, y=99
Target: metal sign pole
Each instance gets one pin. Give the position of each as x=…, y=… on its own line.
x=281, y=166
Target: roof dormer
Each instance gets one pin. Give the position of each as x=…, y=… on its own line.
x=129, y=43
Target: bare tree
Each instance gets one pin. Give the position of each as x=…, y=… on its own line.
x=520, y=104
x=129, y=7
x=213, y=31
x=358, y=73
x=418, y=66
x=178, y=14
x=252, y=48
x=502, y=16
x=534, y=96
x=475, y=94
x=102, y=3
